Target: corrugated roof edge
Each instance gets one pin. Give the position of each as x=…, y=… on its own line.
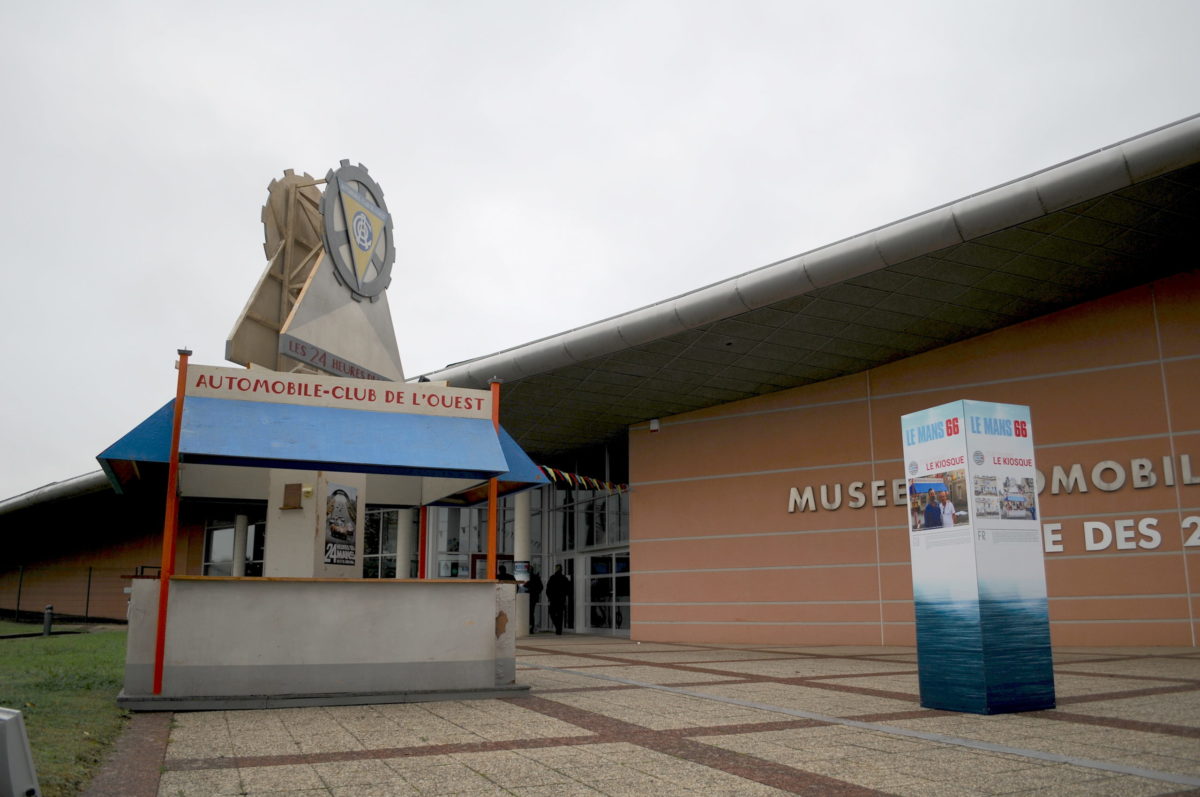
x=1094, y=174
x=56, y=491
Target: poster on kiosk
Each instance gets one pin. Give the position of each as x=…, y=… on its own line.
x=979, y=582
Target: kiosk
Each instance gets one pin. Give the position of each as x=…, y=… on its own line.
x=308, y=437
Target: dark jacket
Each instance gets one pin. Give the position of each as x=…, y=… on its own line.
x=558, y=588
x=534, y=587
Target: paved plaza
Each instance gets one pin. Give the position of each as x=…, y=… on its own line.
x=612, y=717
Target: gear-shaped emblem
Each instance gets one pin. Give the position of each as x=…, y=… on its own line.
x=357, y=231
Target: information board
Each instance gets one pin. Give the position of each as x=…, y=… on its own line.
x=979, y=582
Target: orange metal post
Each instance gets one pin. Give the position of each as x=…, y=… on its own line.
x=493, y=488
x=170, y=524
x=493, y=500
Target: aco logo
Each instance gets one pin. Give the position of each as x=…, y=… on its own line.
x=357, y=231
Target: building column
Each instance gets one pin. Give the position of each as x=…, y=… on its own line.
x=240, y=530
x=406, y=541
x=521, y=548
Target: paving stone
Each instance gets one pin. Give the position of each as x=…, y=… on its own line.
x=557, y=790
x=382, y=789
x=576, y=734
x=287, y=777
x=200, y=783
x=352, y=773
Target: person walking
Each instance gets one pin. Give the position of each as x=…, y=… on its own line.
x=534, y=587
x=558, y=589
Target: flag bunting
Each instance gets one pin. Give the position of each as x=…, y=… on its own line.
x=582, y=482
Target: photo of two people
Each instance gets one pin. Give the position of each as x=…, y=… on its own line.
x=938, y=500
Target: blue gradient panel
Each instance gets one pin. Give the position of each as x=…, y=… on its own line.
x=1017, y=658
x=984, y=657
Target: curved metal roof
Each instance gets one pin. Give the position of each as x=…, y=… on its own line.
x=1117, y=217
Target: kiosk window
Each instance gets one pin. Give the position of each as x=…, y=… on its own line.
x=379, y=545
x=218, y=547
x=383, y=539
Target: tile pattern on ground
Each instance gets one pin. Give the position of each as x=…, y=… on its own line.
x=676, y=732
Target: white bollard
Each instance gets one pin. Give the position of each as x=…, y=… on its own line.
x=17, y=776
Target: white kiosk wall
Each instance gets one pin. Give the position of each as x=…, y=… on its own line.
x=322, y=537
x=979, y=582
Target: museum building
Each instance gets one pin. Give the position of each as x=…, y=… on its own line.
x=726, y=466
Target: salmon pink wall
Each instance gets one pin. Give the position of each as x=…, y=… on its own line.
x=718, y=557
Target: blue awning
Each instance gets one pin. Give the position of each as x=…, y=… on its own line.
x=259, y=434
x=523, y=474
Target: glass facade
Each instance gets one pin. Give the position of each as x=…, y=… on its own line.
x=585, y=531
x=461, y=540
x=607, y=607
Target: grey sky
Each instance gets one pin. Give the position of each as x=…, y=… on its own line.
x=547, y=164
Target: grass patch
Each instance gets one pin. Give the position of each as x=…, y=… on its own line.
x=10, y=627
x=66, y=688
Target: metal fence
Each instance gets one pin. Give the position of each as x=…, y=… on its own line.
x=86, y=593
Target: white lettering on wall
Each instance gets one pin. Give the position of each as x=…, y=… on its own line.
x=801, y=501
x=1143, y=473
x=1098, y=536
x=1185, y=466
x=1108, y=485
x=1072, y=480
x=1148, y=528
x=1194, y=540
x=1125, y=540
x=1052, y=539
x=831, y=503
x=1107, y=475
x=857, y=498
x=1128, y=533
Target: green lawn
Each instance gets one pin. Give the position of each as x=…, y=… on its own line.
x=9, y=627
x=66, y=688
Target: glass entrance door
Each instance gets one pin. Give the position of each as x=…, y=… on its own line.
x=606, y=596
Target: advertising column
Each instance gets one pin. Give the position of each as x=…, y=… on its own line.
x=979, y=583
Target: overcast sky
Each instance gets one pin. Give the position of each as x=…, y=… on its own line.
x=547, y=164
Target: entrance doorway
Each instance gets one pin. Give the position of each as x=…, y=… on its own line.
x=606, y=593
